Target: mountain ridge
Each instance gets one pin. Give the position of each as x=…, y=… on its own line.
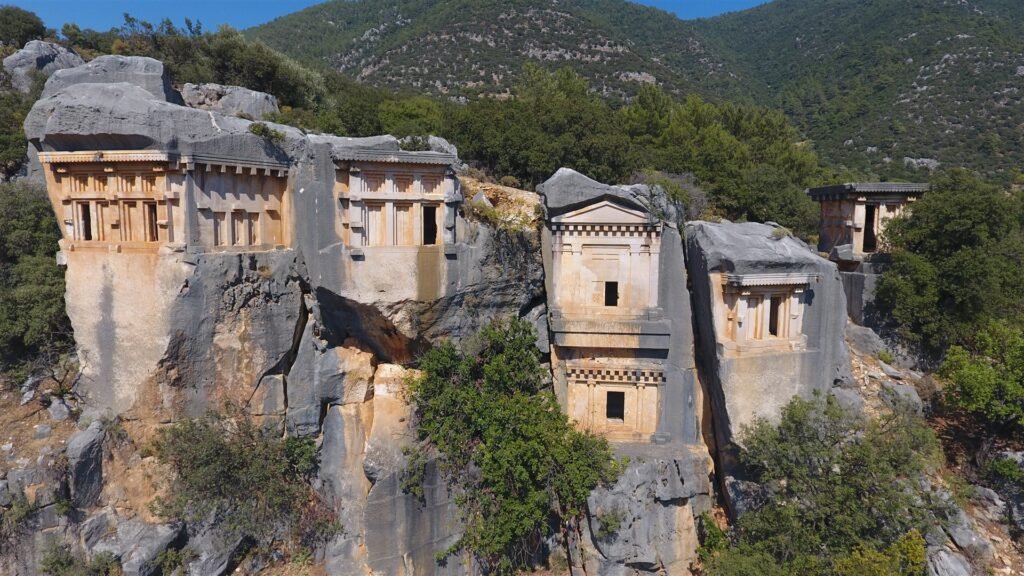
x=885, y=88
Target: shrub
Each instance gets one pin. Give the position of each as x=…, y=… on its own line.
x=58, y=560
x=989, y=383
x=253, y=482
x=886, y=356
x=842, y=488
x=485, y=408
x=263, y=131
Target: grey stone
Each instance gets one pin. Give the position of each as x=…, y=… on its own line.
x=864, y=340
x=38, y=56
x=891, y=372
x=42, y=431
x=896, y=395
x=58, y=410
x=944, y=562
x=95, y=528
x=849, y=399
x=990, y=502
x=138, y=544
x=146, y=73
x=961, y=530
x=229, y=100
x=568, y=190
x=27, y=397
x=5, y=494
x=655, y=503
x=480, y=199
x=438, y=144
x=85, y=465
x=214, y=552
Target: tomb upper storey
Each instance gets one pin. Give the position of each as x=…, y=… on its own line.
x=139, y=200
x=854, y=215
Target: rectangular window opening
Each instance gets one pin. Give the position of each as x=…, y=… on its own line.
x=774, y=316
x=611, y=293
x=429, y=225
x=152, y=235
x=86, y=220
x=615, y=407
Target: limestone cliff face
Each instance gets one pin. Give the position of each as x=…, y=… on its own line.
x=304, y=328
x=211, y=259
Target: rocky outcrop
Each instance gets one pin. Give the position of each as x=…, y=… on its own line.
x=146, y=73
x=38, y=57
x=229, y=100
x=755, y=358
x=85, y=465
x=646, y=523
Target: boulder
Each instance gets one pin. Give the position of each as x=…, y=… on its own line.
x=849, y=399
x=5, y=494
x=85, y=465
x=214, y=552
x=864, y=340
x=944, y=562
x=899, y=395
x=646, y=522
x=138, y=544
x=229, y=100
x=37, y=56
x=146, y=73
x=568, y=190
x=962, y=532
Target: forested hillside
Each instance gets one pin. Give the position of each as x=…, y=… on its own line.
x=888, y=88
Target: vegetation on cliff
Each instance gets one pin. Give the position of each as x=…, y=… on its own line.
x=839, y=493
x=517, y=465
x=32, y=317
x=252, y=483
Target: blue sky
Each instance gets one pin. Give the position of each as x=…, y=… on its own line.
x=105, y=14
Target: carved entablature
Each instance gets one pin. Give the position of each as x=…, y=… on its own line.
x=619, y=402
x=139, y=200
x=605, y=262
x=119, y=200
x=762, y=312
x=396, y=199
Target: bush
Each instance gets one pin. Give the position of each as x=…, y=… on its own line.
x=253, y=482
x=843, y=489
x=485, y=409
x=989, y=382
x=263, y=131
x=58, y=560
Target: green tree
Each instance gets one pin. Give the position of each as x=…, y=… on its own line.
x=419, y=116
x=842, y=488
x=18, y=26
x=989, y=382
x=253, y=482
x=958, y=262
x=516, y=463
x=32, y=316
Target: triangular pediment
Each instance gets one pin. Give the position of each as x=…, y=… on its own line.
x=603, y=212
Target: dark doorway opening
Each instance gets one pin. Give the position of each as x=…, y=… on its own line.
x=429, y=225
x=86, y=219
x=774, y=314
x=870, y=234
x=615, y=408
x=611, y=293
x=152, y=235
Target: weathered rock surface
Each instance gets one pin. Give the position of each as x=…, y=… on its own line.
x=653, y=509
x=146, y=73
x=38, y=56
x=944, y=562
x=757, y=383
x=229, y=100
x=137, y=544
x=85, y=465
